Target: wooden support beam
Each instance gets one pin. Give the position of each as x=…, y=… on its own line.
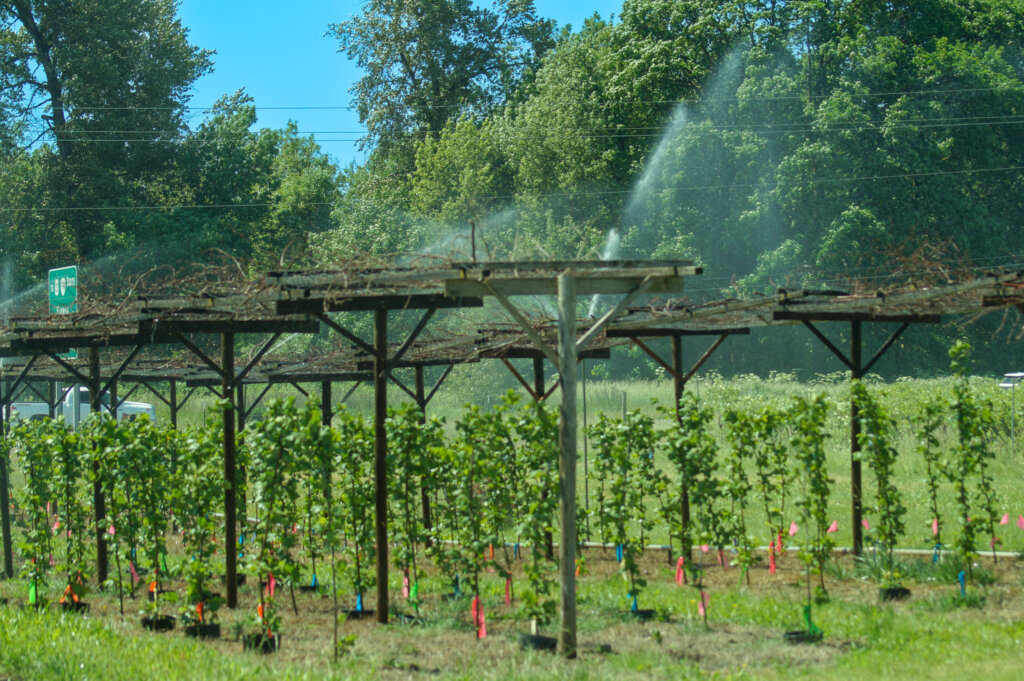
x=524, y=324
x=567, y=464
x=5, y=492
x=421, y=402
x=380, y=451
x=856, y=344
x=227, y=342
x=440, y=380
x=326, y=411
x=173, y=399
x=703, y=358
x=99, y=504
x=645, y=285
x=519, y=377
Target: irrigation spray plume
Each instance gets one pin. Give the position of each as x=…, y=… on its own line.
x=612, y=246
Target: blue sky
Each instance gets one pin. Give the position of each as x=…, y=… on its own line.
x=277, y=51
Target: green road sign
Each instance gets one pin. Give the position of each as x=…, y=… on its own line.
x=64, y=290
x=64, y=294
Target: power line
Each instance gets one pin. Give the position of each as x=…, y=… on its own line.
x=692, y=100
x=610, y=192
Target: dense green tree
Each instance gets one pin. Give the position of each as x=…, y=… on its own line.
x=101, y=83
x=428, y=61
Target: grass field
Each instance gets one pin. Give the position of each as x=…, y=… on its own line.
x=935, y=634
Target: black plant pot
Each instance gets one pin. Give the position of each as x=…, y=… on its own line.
x=71, y=606
x=160, y=623
x=354, y=614
x=262, y=643
x=642, y=615
x=535, y=642
x=894, y=593
x=802, y=636
x=202, y=631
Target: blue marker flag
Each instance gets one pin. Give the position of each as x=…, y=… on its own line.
x=962, y=578
x=515, y=550
x=313, y=583
x=359, y=602
x=618, y=552
x=633, y=608
x=935, y=555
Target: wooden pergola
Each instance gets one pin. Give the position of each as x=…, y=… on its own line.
x=307, y=302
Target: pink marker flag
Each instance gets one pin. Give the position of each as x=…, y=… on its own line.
x=271, y=585
x=482, y=631
x=793, y=529
x=110, y=530
x=56, y=525
x=680, y=573
x=834, y=527
x=935, y=526
x=704, y=548
x=135, y=575
x=295, y=528
x=47, y=508
x=1005, y=520
x=866, y=524
x=705, y=601
x=1020, y=521
x=508, y=592
x=771, y=562
x=405, y=586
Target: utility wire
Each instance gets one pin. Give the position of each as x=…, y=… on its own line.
x=611, y=192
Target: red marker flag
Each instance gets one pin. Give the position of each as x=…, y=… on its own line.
x=135, y=575
x=771, y=562
x=705, y=601
x=680, y=572
x=508, y=592
x=271, y=585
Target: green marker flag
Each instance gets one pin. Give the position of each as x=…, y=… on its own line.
x=414, y=593
x=163, y=563
x=32, y=592
x=812, y=628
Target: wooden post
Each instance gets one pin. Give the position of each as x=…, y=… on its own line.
x=227, y=367
x=567, y=463
x=174, y=404
x=5, y=491
x=51, y=399
x=855, y=477
x=679, y=386
x=380, y=450
x=326, y=412
x=539, y=390
x=99, y=504
x=421, y=402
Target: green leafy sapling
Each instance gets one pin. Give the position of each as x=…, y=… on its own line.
x=536, y=429
x=808, y=443
x=35, y=497
x=970, y=457
x=929, y=421
x=878, y=451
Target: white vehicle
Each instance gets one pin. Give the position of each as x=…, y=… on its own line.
x=127, y=411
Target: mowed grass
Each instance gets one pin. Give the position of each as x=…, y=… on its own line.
x=930, y=636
